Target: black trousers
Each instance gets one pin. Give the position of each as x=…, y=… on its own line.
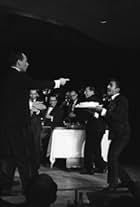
x=45, y=137
x=115, y=170
x=92, y=151
x=36, y=133
x=17, y=151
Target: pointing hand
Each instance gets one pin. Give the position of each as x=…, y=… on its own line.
x=63, y=81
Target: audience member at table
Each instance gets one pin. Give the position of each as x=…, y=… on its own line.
x=65, y=102
x=71, y=116
x=36, y=106
x=54, y=116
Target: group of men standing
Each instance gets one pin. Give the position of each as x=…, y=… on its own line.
x=112, y=115
x=16, y=141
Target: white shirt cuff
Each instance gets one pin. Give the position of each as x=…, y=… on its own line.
x=57, y=83
x=96, y=115
x=38, y=112
x=51, y=118
x=103, y=113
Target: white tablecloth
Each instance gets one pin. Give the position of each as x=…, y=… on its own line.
x=69, y=143
x=66, y=143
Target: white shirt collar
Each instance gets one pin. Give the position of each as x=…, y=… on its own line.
x=75, y=101
x=14, y=67
x=114, y=96
x=50, y=108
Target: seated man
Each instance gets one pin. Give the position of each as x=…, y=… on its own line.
x=36, y=107
x=71, y=117
x=54, y=116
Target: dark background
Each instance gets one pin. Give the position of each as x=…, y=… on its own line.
x=61, y=51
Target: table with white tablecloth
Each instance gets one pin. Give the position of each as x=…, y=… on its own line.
x=69, y=143
x=66, y=143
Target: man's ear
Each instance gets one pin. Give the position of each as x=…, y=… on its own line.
x=18, y=63
x=118, y=90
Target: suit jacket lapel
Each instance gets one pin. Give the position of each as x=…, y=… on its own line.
x=112, y=104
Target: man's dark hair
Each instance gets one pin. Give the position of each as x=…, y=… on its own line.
x=118, y=84
x=91, y=87
x=14, y=57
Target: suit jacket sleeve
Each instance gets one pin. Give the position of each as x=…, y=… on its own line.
x=28, y=82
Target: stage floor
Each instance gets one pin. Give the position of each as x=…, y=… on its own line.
x=71, y=182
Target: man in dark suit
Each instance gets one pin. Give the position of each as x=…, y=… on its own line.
x=71, y=117
x=95, y=128
x=116, y=116
x=54, y=116
x=16, y=142
x=36, y=109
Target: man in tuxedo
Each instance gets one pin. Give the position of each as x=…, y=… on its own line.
x=95, y=128
x=54, y=116
x=71, y=116
x=116, y=117
x=16, y=142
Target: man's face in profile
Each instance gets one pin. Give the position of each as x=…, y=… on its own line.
x=23, y=64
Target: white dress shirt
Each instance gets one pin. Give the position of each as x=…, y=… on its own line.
x=50, y=108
